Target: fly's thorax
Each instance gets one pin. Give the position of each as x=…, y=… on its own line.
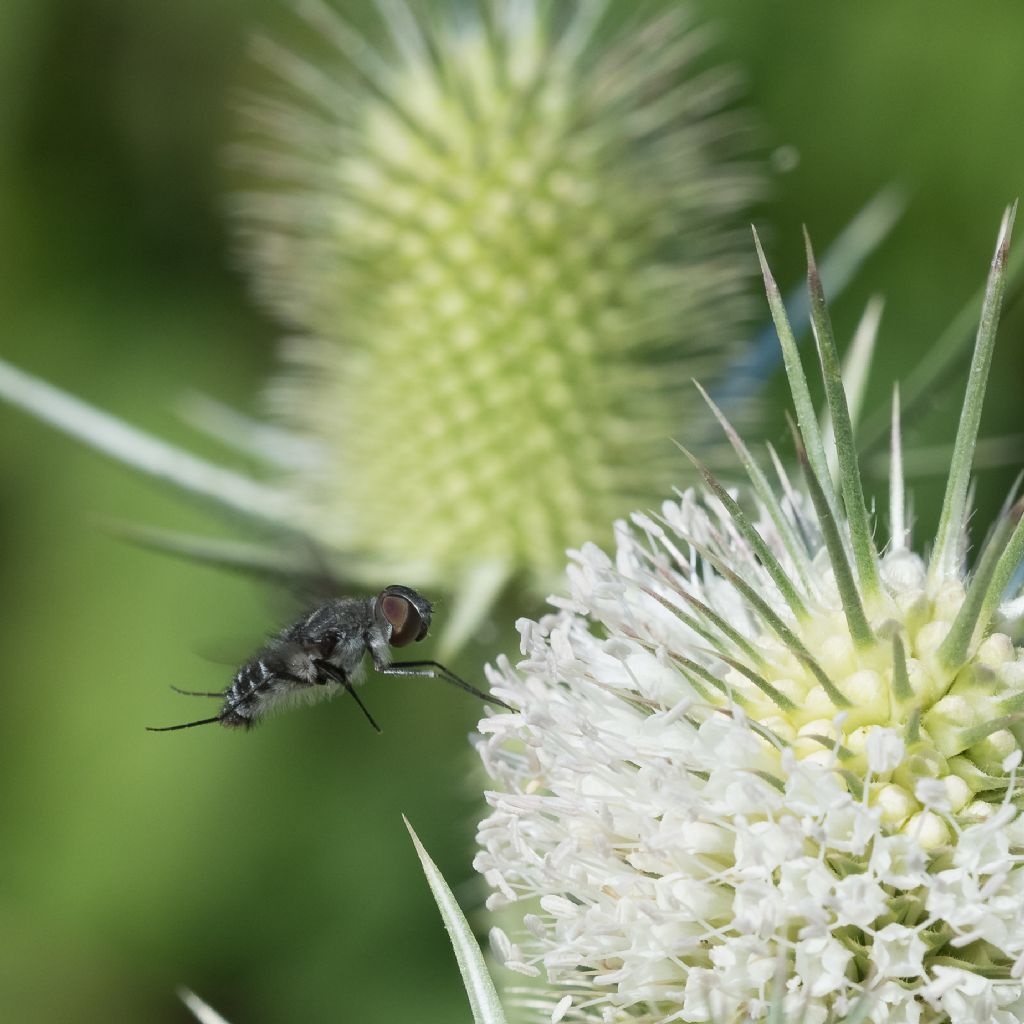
x=300, y=663
x=349, y=652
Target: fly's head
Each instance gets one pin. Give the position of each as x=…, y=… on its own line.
x=403, y=614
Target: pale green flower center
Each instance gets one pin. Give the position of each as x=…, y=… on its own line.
x=939, y=713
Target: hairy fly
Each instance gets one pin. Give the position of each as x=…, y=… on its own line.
x=322, y=654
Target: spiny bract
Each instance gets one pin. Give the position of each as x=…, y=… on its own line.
x=502, y=234
x=757, y=760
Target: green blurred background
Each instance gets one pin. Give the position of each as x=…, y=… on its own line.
x=271, y=871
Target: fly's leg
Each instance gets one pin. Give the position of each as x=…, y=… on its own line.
x=434, y=670
x=220, y=694
x=335, y=673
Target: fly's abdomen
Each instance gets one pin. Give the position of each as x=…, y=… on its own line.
x=244, y=700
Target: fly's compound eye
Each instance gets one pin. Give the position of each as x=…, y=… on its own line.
x=406, y=623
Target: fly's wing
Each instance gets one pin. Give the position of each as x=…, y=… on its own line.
x=303, y=576
x=311, y=600
x=292, y=562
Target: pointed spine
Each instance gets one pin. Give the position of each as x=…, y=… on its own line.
x=1010, y=560
x=1001, y=555
x=897, y=495
x=775, y=695
x=864, y=552
x=853, y=607
x=694, y=671
x=764, y=491
x=941, y=355
x=718, y=646
x=802, y=401
x=740, y=641
x=856, y=368
x=752, y=537
x=901, y=687
x=800, y=521
x=954, y=505
x=775, y=624
x=141, y=451
x=1007, y=568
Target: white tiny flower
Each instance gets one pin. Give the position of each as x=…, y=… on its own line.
x=859, y=899
x=501, y=945
x=813, y=791
x=705, y=998
x=985, y=847
x=806, y=886
x=893, y=1004
x=751, y=741
x=885, y=749
x=932, y=794
x=850, y=827
x=898, y=860
x=561, y=1008
x=822, y=963
x=898, y=952
x=764, y=846
x=966, y=997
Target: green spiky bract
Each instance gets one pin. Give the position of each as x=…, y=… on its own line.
x=943, y=631
x=758, y=662
x=483, y=997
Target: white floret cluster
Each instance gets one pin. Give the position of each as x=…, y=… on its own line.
x=675, y=846
x=760, y=763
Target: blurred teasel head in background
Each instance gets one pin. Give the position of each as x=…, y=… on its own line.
x=504, y=235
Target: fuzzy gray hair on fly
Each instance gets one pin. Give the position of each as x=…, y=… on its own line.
x=322, y=654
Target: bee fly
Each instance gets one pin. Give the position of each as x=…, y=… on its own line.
x=320, y=655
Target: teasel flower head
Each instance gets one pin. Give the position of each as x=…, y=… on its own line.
x=500, y=233
x=764, y=763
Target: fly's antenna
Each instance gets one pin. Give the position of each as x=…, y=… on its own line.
x=435, y=670
x=185, y=725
